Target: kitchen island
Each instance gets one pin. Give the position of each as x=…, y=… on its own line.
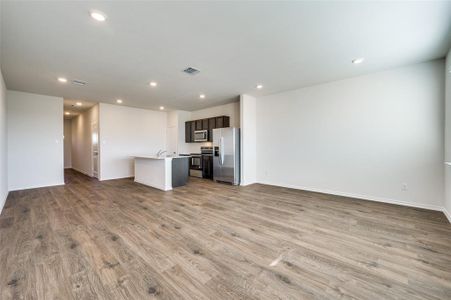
x=162, y=172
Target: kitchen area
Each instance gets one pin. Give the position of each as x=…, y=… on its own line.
x=215, y=156
x=219, y=158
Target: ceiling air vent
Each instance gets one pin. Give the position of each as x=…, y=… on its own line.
x=191, y=71
x=79, y=82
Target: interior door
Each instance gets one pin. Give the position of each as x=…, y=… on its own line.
x=95, y=150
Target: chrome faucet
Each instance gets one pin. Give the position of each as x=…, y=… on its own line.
x=160, y=152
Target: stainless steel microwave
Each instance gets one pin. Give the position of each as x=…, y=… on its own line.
x=201, y=136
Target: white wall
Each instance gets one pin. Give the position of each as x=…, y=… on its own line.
x=182, y=147
x=35, y=140
x=67, y=143
x=362, y=137
x=172, y=132
x=82, y=140
x=248, y=113
x=447, y=204
x=125, y=132
x=3, y=146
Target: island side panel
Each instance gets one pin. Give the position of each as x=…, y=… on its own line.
x=153, y=172
x=180, y=171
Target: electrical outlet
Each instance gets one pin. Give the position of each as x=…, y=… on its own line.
x=404, y=187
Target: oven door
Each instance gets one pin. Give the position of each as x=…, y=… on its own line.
x=201, y=135
x=195, y=166
x=196, y=163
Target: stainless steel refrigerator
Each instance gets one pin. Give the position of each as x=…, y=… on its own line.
x=226, y=155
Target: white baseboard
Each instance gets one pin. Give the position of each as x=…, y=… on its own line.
x=447, y=214
x=3, y=202
x=114, y=178
x=244, y=183
x=37, y=186
x=82, y=172
x=359, y=196
x=103, y=179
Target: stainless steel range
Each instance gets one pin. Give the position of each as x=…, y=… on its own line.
x=195, y=165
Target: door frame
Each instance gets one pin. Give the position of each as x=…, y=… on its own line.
x=95, y=130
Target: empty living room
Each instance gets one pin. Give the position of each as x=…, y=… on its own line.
x=225, y=150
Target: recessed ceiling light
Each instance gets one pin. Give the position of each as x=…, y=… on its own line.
x=202, y=96
x=62, y=79
x=358, y=60
x=98, y=16
x=161, y=107
x=79, y=104
x=259, y=86
x=67, y=113
x=119, y=101
x=153, y=83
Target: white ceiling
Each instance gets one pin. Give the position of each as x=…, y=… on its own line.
x=70, y=106
x=283, y=45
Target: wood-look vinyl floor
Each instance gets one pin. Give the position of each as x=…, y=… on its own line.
x=121, y=240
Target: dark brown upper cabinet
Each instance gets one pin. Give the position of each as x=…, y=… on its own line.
x=198, y=124
x=211, y=123
x=205, y=124
x=219, y=122
x=222, y=122
x=189, y=132
x=211, y=126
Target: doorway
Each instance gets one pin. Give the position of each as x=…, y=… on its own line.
x=95, y=149
x=81, y=142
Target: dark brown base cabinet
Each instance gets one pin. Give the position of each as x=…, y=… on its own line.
x=205, y=124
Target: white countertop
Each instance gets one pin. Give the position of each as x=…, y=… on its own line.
x=159, y=157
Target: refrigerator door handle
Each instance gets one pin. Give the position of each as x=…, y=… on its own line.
x=221, y=153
